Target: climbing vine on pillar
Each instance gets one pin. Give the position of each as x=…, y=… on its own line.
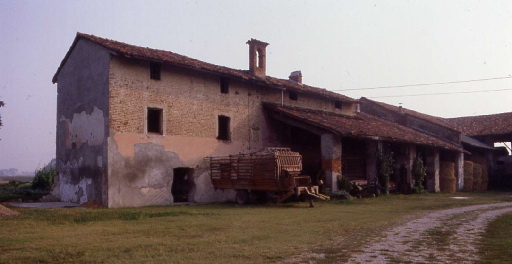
x=419, y=172
x=386, y=169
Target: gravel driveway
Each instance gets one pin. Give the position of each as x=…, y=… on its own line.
x=446, y=236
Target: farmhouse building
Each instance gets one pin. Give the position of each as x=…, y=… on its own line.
x=134, y=126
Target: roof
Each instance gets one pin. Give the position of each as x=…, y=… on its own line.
x=167, y=57
x=362, y=125
x=434, y=119
x=483, y=125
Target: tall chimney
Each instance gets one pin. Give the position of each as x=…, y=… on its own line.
x=257, y=57
x=296, y=76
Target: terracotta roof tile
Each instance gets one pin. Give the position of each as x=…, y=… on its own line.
x=483, y=125
x=434, y=119
x=495, y=124
x=184, y=61
x=362, y=125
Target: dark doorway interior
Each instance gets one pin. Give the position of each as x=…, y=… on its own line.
x=181, y=184
x=354, y=159
x=308, y=145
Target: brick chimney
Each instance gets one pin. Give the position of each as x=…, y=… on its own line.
x=257, y=57
x=296, y=76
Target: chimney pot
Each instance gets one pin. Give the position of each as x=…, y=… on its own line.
x=296, y=76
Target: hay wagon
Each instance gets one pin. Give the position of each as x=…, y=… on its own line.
x=271, y=172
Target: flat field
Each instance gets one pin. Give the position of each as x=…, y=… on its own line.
x=214, y=233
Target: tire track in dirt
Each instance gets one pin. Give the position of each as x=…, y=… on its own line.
x=445, y=236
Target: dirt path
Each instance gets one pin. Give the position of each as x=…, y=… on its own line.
x=446, y=236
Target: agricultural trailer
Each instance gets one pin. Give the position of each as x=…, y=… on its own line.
x=270, y=172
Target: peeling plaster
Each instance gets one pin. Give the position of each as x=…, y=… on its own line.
x=145, y=178
x=85, y=128
x=71, y=191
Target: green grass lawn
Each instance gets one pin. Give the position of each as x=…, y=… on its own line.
x=497, y=242
x=218, y=233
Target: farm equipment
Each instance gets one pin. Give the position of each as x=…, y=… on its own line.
x=271, y=172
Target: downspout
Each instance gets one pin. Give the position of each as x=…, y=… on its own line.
x=249, y=117
x=282, y=97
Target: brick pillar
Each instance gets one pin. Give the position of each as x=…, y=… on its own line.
x=331, y=159
x=432, y=165
x=459, y=170
x=410, y=153
x=371, y=160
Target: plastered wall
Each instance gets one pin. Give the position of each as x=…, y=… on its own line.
x=82, y=124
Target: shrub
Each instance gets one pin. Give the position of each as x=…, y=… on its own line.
x=44, y=178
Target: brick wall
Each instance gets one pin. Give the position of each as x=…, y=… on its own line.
x=192, y=101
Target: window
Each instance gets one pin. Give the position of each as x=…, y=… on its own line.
x=224, y=85
x=293, y=95
x=337, y=104
x=154, y=120
x=260, y=58
x=154, y=71
x=224, y=133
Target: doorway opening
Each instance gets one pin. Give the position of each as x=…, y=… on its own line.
x=182, y=184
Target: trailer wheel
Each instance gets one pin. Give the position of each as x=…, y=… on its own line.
x=242, y=197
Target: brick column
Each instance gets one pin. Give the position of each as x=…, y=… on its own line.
x=410, y=156
x=432, y=165
x=371, y=160
x=331, y=159
x=459, y=170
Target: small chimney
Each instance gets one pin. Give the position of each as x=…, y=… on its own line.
x=257, y=57
x=400, y=108
x=296, y=76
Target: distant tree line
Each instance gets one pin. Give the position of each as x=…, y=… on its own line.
x=1, y=104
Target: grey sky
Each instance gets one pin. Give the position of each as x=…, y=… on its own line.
x=336, y=44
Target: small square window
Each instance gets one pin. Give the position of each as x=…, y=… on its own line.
x=337, y=104
x=293, y=95
x=224, y=85
x=154, y=120
x=154, y=70
x=224, y=133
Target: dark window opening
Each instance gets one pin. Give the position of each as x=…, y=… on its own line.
x=224, y=85
x=155, y=120
x=182, y=184
x=154, y=70
x=337, y=104
x=224, y=133
x=293, y=95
